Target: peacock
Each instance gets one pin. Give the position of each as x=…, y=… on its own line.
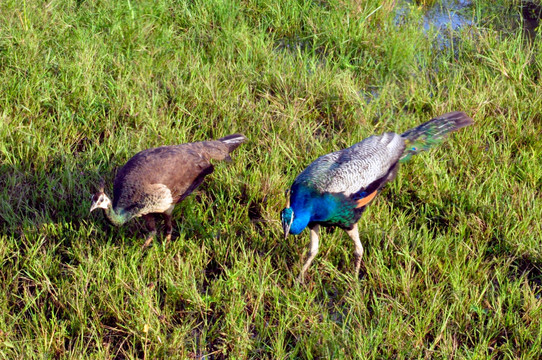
x=154, y=180
x=336, y=188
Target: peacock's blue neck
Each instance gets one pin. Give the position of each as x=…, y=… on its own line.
x=324, y=208
x=302, y=217
x=310, y=206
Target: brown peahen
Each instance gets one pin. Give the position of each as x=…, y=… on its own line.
x=155, y=180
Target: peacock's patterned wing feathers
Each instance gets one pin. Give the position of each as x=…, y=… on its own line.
x=351, y=170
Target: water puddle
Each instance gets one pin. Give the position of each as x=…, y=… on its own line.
x=444, y=16
x=456, y=14
x=444, y=20
x=448, y=14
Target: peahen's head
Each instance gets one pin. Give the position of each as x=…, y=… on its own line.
x=100, y=199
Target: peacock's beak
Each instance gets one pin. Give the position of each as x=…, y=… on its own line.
x=286, y=228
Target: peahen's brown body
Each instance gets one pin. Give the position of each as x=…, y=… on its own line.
x=155, y=180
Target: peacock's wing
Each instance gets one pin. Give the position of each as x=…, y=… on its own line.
x=363, y=166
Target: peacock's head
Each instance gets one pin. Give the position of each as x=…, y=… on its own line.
x=287, y=218
x=100, y=199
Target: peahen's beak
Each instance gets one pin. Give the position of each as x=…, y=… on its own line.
x=92, y=207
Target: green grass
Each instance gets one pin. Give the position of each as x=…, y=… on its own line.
x=453, y=261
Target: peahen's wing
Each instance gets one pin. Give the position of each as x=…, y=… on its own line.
x=353, y=169
x=177, y=168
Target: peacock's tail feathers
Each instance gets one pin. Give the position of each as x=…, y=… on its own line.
x=433, y=132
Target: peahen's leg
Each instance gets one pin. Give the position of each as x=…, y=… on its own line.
x=151, y=226
x=358, y=251
x=169, y=226
x=312, y=252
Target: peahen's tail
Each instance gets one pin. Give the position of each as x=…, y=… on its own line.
x=433, y=132
x=233, y=141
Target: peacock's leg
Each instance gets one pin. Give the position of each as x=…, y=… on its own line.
x=358, y=252
x=312, y=252
x=151, y=226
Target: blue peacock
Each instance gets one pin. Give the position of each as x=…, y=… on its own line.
x=336, y=188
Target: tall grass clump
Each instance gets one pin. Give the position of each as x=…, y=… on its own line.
x=453, y=257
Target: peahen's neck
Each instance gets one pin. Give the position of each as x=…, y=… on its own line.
x=115, y=218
